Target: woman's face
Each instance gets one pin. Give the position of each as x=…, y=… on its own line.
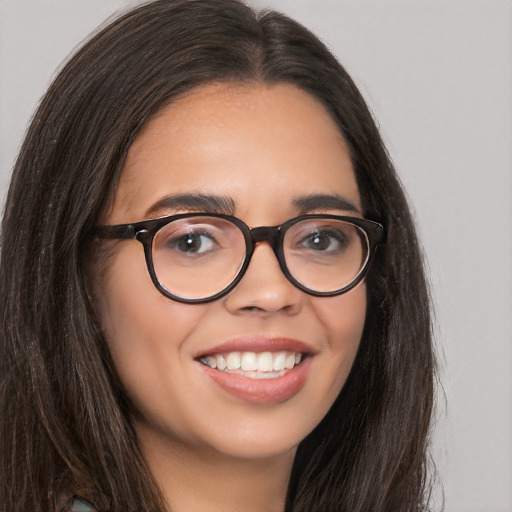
x=264, y=150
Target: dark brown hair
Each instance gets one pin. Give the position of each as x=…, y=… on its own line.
x=65, y=425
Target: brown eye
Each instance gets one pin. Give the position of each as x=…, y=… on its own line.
x=325, y=241
x=197, y=243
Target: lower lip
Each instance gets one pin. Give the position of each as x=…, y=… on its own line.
x=261, y=391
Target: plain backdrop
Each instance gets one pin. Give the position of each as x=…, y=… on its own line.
x=438, y=76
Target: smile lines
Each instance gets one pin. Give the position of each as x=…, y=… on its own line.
x=262, y=365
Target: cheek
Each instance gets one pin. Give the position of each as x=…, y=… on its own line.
x=143, y=328
x=343, y=318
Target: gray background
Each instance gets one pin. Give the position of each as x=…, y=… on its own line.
x=438, y=75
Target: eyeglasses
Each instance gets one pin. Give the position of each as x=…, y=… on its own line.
x=199, y=257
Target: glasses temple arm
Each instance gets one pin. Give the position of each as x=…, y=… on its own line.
x=122, y=231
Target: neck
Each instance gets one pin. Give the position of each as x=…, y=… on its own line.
x=197, y=479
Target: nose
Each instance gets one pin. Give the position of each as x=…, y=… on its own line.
x=264, y=289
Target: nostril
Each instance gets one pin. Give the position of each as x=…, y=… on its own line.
x=252, y=309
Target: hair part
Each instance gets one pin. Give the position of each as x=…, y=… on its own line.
x=65, y=422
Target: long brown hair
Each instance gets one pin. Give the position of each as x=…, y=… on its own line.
x=65, y=425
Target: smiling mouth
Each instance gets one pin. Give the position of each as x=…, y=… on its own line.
x=254, y=365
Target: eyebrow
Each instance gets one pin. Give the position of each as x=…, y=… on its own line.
x=194, y=202
x=226, y=205
x=324, y=202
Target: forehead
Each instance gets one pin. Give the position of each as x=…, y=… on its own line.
x=244, y=141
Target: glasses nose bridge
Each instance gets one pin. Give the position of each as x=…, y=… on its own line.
x=270, y=234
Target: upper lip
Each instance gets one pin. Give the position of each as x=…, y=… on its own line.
x=259, y=344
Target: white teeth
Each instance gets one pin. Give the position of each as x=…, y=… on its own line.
x=280, y=361
x=233, y=360
x=212, y=362
x=262, y=365
x=221, y=362
x=290, y=361
x=265, y=362
x=249, y=361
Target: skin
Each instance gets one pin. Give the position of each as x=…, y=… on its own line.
x=263, y=147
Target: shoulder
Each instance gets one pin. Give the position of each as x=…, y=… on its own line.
x=78, y=505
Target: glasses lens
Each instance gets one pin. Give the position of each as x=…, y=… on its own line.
x=197, y=257
x=325, y=255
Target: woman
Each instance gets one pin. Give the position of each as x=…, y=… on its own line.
x=251, y=356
